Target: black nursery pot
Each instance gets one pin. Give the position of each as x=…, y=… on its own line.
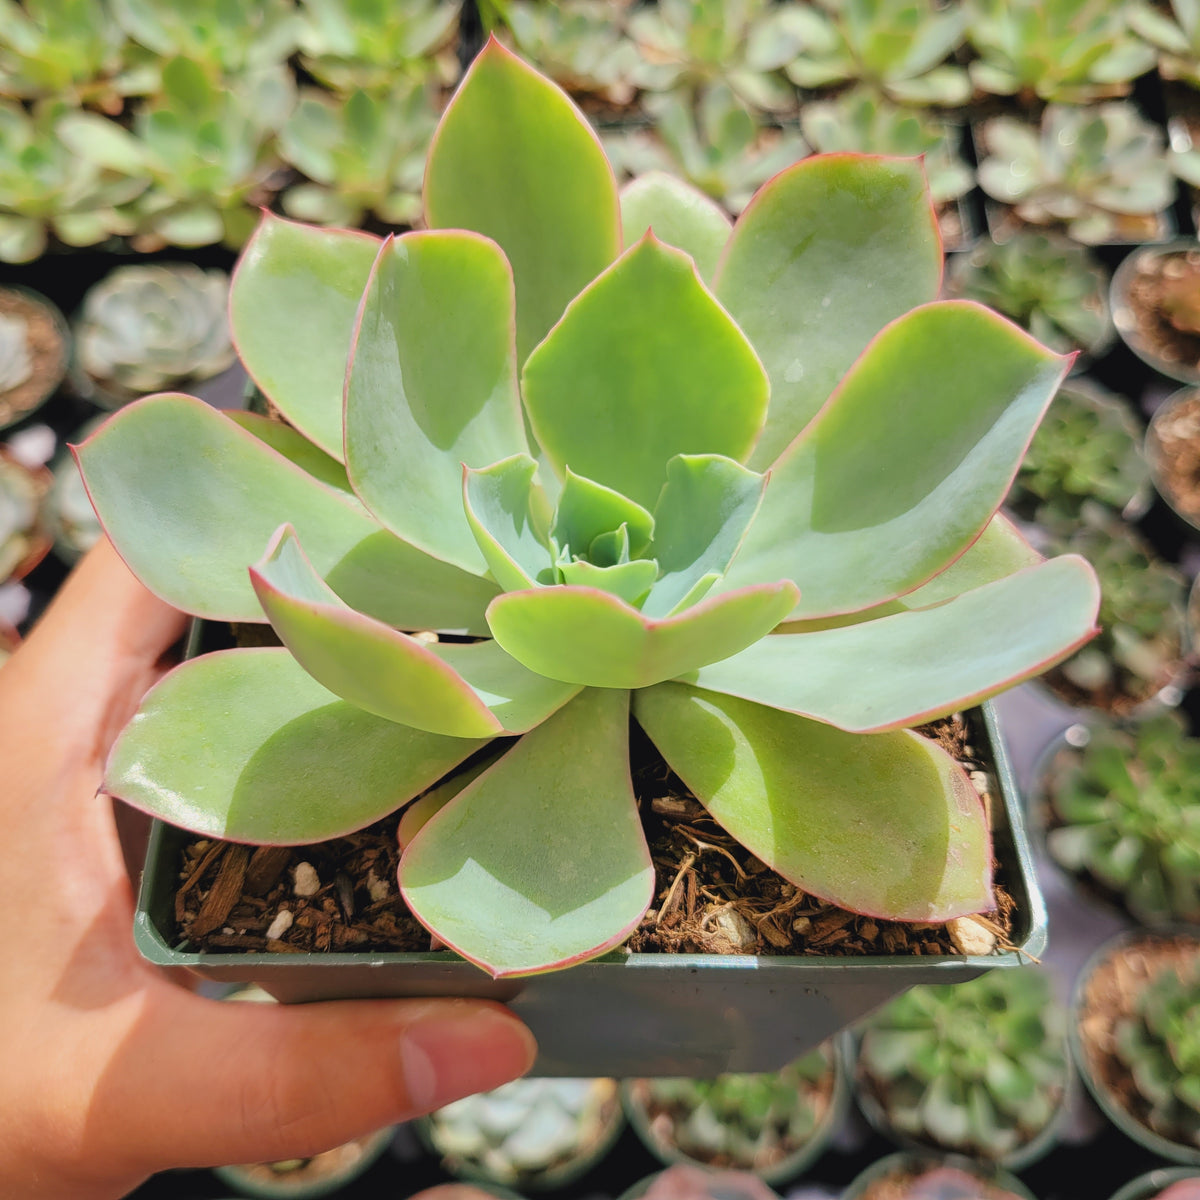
x=627, y=1014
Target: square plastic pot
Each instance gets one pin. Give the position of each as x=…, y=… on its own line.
x=631, y=1014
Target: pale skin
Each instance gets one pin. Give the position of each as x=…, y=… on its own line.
x=111, y=1071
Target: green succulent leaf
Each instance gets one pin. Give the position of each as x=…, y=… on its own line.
x=938, y=467
x=581, y=635
x=644, y=365
x=389, y=673
x=432, y=385
x=827, y=253
x=705, y=508
x=629, y=581
x=295, y=447
x=587, y=510
x=293, y=305
x=815, y=803
x=678, y=214
x=564, y=788
x=508, y=514
x=244, y=745
x=911, y=667
x=514, y=159
x=190, y=499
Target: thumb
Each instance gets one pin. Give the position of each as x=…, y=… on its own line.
x=232, y=1083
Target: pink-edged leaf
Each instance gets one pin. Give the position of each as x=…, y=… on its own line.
x=582, y=635
x=540, y=863
x=190, y=499
x=905, y=669
x=825, y=255
x=508, y=515
x=888, y=825
x=424, y=808
x=471, y=691
x=515, y=160
x=295, y=447
x=905, y=465
x=644, y=365
x=244, y=745
x=679, y=214
x=292, y=306
x=431, y=385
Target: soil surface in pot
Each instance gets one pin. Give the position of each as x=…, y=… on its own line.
x=1164, y=298
x=1110, y=996
x=47, y=353
x=906, y=1184
x=1176, y=439
x=712, y=897
x=303, y=1172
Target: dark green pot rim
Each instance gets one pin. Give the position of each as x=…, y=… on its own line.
x=1148, y=1186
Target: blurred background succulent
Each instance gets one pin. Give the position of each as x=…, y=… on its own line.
x=531, y=1133
x=363, y=155
x=1064, y=50
x=744, y=1122
x=1176, y=40
x=16, y=361
x=900, y=47
x=46, y=188
x=374, y=44
x=69, y=512
x=150, y=328
x=863, y=121
x=688, y=46
x=1143, y=625
x=719, y=147
x=1160, y=1045
x=583, y=45
x=24, y=539
x=1100, y=171
x=1048, y=285
x=1125, y=812
x=978, y=1067
x=1087, y=448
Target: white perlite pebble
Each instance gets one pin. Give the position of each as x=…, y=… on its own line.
x=281, y=924
x=969, y=937
x=377, y=888
x=307, y=881
x=736, y=928
x=427, y=636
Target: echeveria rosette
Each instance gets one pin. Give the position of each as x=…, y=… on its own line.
x=756, y=508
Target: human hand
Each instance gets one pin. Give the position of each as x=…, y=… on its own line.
x=110, y=1071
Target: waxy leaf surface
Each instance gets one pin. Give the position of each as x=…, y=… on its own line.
x=514, y=159
x=292, y=305
x=507, y=514
x=644, y=365
x=564, y=790
x=816, y=803
x=906, y=463
x=190, y=499
x=678, y=214
x=824, y=256
x=244, y=745
x=581, y=635
x=911, y=667
x=587, y=509
x=295, y=447
x=432, y=384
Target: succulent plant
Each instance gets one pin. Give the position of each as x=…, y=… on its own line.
x=747, y=1122
x=953, y=1183
x=690, y=45
x=682, y=1182
x=1048, y=285
x=208, y=149
x=720, y=148
x=376, y=44
x=529, y=1129
x=45, y=187
x=23, y=537
x=863, y=122
x=647, y=553
x=1088, y=448
x=1101, y=171
x=65, y=50
x=1140, y=647
x=16, y=363
x=899, y=47
x=363, y=154
x=71, y=517
x=1126, y=811
x=583, y=45
x=1159, y=1043
x=226, y=39
x=979, y=1066
x=144, y=328
x=1070, y=51
x=1177, y=41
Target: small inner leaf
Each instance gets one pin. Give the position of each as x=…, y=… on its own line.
x=630, y=581
x=587, y=509
x=507, y=513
